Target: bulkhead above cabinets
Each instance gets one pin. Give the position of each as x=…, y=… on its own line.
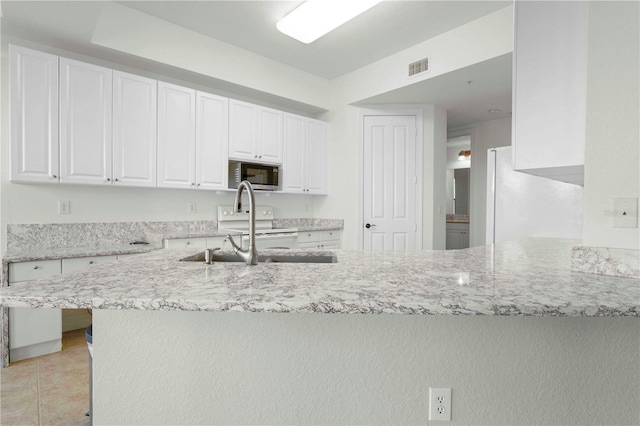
x=74, y=122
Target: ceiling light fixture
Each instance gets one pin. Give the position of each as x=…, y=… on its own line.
x=464, y=155
x=314, y=18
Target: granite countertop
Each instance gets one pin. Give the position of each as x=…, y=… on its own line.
x=524, y=277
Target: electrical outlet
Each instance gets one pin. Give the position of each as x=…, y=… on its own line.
x=440, y=404
x=64, y=207
x=191, y=207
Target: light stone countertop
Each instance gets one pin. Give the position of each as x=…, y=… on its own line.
x=524, y=277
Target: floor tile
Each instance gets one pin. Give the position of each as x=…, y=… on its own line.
x=50, y=389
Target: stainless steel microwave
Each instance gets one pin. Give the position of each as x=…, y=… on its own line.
x=261, y=176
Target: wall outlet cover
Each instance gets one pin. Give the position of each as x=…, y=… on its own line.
x=440, y=404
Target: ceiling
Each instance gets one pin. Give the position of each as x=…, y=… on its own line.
x=383, y=30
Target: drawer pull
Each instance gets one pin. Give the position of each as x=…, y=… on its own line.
x=35, y=267
x=91, y=262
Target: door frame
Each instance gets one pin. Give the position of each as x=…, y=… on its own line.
x=418, y=113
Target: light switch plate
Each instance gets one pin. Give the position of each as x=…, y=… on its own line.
x=625, y=213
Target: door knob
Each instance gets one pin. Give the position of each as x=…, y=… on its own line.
x=368, y=225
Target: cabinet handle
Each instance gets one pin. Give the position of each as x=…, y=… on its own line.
x=116, y=179
x=91, y=262
x=35, y=267
x=198, y=184
x=193, y=184
x=55, y=176
x=188, y=242
x=108, y=179
x=259, y=156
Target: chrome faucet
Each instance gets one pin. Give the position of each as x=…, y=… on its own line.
x=250, y=255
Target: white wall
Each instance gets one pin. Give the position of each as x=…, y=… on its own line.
x=612, y=151
x=265, y=368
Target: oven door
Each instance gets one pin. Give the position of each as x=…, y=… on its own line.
x=273, y=241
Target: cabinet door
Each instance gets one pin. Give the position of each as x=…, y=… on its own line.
x=34, y=115
x=176, y=136
x=80, y=263
x=85, y=123
x=293, y=170
x=269, y=136
x=242, y=130
x=316, y=157
x=33, y=332
x=219, y=242
x=134, y=130
x=212, y=136
x=186, y=243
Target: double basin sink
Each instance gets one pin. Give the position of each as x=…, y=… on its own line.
x=278, y=256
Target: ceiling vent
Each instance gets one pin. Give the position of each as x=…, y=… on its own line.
x=419, y=66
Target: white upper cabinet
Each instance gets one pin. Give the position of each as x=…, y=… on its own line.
x=176, y=136
x=293, y=167
x=305, y=155
x=34, y=115
x=549, y=89
x=85, y=123
x=134, y=130
x=317, y=157
x=212, y=136
x=255, y=133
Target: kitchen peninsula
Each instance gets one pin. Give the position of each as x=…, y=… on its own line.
x=183, y=342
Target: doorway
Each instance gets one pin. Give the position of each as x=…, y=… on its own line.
x=391, y=183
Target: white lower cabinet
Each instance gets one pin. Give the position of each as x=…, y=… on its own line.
x=33, y=332
x=220, y=242
x=457, y=236
x=319, y=239
x=185, y=243
x=198, y=243
x=74, y=319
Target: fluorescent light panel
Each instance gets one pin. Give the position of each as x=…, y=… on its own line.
x=314, y=18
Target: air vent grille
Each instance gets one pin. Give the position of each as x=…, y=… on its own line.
x=419, y=66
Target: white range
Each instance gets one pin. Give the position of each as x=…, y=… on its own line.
x=266, y=235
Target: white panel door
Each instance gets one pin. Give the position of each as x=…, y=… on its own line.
x=212, y=137
x=242, y=130
x=293, y=168
x=317, y=156
x=134, y=130
x=269, y=136
x=34, y=115
x=85, y=123
x=176, y=136
x=390, y=182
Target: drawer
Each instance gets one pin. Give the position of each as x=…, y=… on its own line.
x=79, y=263
x=26, y=271
x=221, y=242
x=186, y=243
x=315, y=236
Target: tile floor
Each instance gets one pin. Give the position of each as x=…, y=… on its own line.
x=50, y=389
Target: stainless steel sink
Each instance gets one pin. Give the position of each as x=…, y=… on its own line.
x=290, y=257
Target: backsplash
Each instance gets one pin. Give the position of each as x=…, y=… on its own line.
x=606, y=261
x=23, y=237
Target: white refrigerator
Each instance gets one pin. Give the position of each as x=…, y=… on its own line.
x=523, y=205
